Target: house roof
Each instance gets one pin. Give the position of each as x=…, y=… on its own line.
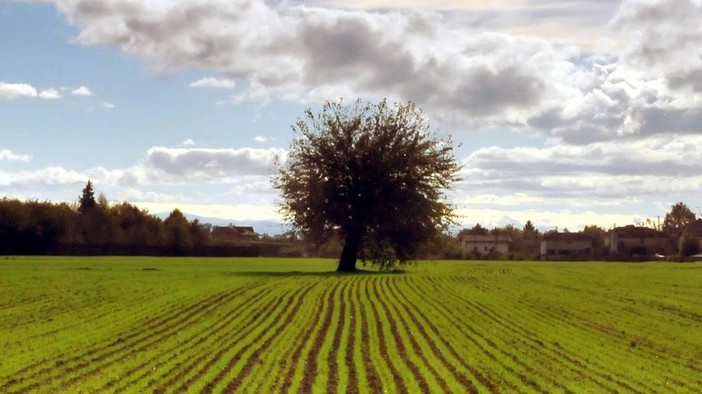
x=486, y=238
x=555, y=236
x=632, y=231
x=234, y=230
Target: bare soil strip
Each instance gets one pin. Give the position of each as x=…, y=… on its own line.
x=310, y=370
x=477, y=340
x=414, y=312
x=155, y=339
x=342, y=306
x=397, y=338
x=383, y=346
x=261, y=322
x=249, y=324
x=374, y=381
x=393, y=300
x=593, y=366
x=524, y=337
x=181, y=349
x=52, y=363
x=353, y=372
x=215, y=335
x=292, y=308
x=139, y=338
x=295, y=360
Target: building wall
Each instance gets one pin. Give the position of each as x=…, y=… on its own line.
x=639, y=240
x=562, y=248
x=484, y=248
x=652, y=244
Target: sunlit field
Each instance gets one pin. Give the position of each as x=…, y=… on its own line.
x=117, y=324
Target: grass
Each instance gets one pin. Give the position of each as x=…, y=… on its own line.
x=274, y=325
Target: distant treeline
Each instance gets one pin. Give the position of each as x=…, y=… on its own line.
x=94, y=227
x=35, y=227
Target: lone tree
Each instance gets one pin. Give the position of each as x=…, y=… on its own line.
x=371, y=174
x=87, y=199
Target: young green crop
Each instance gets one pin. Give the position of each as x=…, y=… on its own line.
x=102, y=324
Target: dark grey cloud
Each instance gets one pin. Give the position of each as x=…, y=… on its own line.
x=484, y=91
x=350, y=49
x=687, y=78
x=665, y=39
x=310, y=51
x=668, y=121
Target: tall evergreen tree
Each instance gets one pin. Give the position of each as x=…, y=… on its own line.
x=87, y=199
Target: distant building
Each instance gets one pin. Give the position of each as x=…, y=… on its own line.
x=690, y=239
x=232, y=233
x=638, y=241
x=485, y=245
x=566, y=246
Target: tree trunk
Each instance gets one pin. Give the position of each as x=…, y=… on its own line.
x=349, y=255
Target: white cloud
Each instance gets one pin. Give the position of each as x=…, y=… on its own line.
x=82, y=91
x=11, y=91
x=204, y=163
x=261, y=138
x=107, y=105
x=50, y=94
x=244, y=171
x=307, y=53
x=210, y=82
x=234, y=183
x=50, y=176
x=519, y=199
x=8, y=155
x=460, y=74
x=664, y=35
x=188, y=142
x=595, y=174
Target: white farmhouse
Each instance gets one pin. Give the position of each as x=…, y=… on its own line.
x=485, y=245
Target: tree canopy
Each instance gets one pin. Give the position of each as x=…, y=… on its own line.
x=94, y=227
x=679, y=216
x=476, y=230
x=372, y=174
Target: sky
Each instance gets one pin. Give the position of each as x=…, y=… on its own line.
x=565, y=113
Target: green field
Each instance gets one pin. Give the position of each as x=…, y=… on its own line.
x=266, y=325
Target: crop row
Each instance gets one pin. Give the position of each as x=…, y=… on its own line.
x=471, y=328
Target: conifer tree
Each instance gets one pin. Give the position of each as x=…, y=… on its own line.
x=87, y=200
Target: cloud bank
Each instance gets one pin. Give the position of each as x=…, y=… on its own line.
x=620, y=119
x=462, y=78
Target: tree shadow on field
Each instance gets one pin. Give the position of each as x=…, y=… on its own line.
x=286, y=274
